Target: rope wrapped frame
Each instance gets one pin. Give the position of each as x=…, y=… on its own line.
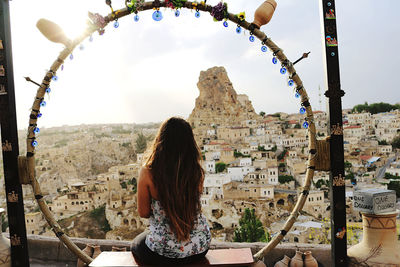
x=91, y=28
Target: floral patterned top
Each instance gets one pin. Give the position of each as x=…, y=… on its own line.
x=164, y=242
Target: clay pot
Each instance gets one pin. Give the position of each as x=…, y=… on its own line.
x=283, y=262
x=52, y=31
x=297, y=260
x=379, y=246
x=309, y=260
x=264, y=13
x=96, y=251
x=88, y=250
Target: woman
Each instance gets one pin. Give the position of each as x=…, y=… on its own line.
x=169, y=189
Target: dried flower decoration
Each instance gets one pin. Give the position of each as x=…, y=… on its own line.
x=134, y=5
x=175, y=4
x=220, y=11
x=242, y=16
x=98, y=21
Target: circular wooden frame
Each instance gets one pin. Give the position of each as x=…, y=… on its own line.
x=115, y=15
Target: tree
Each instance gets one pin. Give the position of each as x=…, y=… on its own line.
x=251, y=228
x=394, y=185
x=262, y=113
x=375, y=107
x=297, y=126
x=396, y=142
x=220, y=167
x=141, y=143
x=282, y=155
x=284, y=179
x=382, y=143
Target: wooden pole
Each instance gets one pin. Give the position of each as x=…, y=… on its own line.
x=334, y=93
x=9, y=140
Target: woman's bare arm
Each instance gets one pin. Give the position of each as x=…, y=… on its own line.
x=144, y=196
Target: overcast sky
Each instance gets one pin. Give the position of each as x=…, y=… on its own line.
x=147, y=71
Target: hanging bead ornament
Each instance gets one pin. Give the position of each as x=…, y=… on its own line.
x=55, y=78
x=43, y=103
x=274, y=60
x=238, y=29
x=136, y=18
x=177, y=13
x=297, y=95
x=157, y=15
x=91, y=38
x=197, y=14
x=36, y=130
x=290, y=82
x=39, y=115
x=283, y=70
x=251, y=38
x=71, y=57
x=305, y=125
x=116, y=24
x=302, y=110
x=264, y=48
x=34, y=143
x=62, y=67
x=48, y=90
x=225, y=23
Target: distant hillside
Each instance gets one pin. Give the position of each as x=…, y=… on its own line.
x=375, y=107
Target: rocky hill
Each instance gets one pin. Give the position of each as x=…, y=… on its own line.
x=218, y=102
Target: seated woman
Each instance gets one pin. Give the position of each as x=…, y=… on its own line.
x=169, y=189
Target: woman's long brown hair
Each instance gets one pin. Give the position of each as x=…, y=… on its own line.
x=174, y=162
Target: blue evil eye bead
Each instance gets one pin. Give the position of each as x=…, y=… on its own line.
x=136, y=18
x=225, y=23
x=116, y=24
x=283, y=70
x=39, y=115
x=43, y=103
x=48, y=90
x=238, y=29
x=36, y=130
x=264, y=48
x=71, y=57
x=251, y=38
x=34, y=143
x=297, y=95
x=54, y=78
x=290, y=82
x=91, y=38
x=197, y=14
x=302, y=110
x=157, y=15
x=62, y=67
x=305, y=125
x=177, y=13
x=274, y=60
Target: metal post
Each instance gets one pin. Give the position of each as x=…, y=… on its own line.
x=334, y=93
x=9, y=141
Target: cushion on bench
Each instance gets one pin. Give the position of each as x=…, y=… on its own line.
x=216, y=257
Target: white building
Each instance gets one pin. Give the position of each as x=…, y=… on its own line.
x=209, y=166
x=238, y=173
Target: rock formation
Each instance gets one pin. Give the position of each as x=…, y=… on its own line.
x=218, y=103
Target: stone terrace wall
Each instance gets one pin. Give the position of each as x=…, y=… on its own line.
x=50, y=249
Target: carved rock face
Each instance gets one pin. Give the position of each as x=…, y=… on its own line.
x=218, y=102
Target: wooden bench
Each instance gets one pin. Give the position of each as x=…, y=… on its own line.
x=217, y=257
